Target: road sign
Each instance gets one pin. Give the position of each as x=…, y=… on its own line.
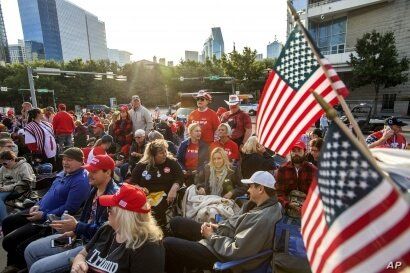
x=42, y=90
x=181, y=79
x=3, y=89
x=214, y=78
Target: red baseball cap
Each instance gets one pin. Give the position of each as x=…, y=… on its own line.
x=128, y=197
x=203, y=94
x=300, y=144
x=100, y=162
x=124, y=108
x=100, y=125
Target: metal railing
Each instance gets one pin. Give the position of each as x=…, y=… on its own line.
x=319, y=3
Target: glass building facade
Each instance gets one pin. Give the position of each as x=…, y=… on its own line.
x=330, y=36
x=4, y=45
x=273, y=50
x=62, y=29
x=214, y=45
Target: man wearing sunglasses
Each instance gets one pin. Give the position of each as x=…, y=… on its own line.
x=41, y=256
x=207, y=118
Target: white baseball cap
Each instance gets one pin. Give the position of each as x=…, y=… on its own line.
x=263, y=178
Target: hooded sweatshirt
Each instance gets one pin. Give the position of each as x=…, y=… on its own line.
x=21, y=175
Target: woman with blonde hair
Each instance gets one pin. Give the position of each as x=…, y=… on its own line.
x=160, y=175
x=193, y=153
x=130, y=242
x=255, y=158
x=219, y=177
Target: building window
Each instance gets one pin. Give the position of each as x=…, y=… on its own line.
x=388, y=102
x=330, y=36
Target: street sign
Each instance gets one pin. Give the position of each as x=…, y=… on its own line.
x=3, y=89
x=42, y=90
x=214, y=78
x=181, y=79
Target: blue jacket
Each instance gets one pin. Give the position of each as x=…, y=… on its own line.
x=203, y=154
x=87, y=230
x=68, y=192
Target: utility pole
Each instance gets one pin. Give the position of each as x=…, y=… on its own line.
x=32, y=89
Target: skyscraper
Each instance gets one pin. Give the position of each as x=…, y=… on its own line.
x=65, y=30
x=120, y=56
x=273, y=49
x=214, y=45
x=4, y=49
x=191, y=55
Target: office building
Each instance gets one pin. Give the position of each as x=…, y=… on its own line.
x=16, y=53
x=122, y=57
x=161, y=61
x=4, y=49
x=64, y=30
x=214, y=45
x=170, y=63
x=191, y=55
x=259, y=57
x=336, y=25
x=273, y=49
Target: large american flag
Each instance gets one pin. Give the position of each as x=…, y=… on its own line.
x=353, y=219
x=287, y=108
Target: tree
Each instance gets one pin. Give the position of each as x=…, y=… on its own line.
x=377, y=63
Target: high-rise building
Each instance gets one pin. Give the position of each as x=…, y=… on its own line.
x=65, y=30
x=120, y=56
x=273, y=49
x=214, y=45
x=4, y=49
x=335, y=27
x=191, y=55
x=259, y=57
x=161, y=61
x=170, y=63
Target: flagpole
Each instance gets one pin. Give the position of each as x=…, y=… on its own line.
x=342, y=101
x=332, y=114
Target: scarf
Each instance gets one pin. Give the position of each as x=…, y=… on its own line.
x=215, y=182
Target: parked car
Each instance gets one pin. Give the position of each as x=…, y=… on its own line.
x=250, y=108
x=182, y=114
x=365, y=119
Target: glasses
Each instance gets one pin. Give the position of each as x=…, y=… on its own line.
x=200, y=99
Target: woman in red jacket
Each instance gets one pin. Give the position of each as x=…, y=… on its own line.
x=123, y=130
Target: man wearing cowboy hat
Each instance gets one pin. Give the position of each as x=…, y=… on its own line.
x=390, y=136
x=239, y=121
x=207, y=118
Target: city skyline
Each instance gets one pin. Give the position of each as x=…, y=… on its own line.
x=146, y=31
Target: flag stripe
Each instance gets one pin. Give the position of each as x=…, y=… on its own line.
x=372, y=231
x=401, y=227
x=358, y=224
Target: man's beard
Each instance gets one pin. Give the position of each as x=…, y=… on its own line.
x=296, y=159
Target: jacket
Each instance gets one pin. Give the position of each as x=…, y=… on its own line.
x=203, y=154
x=68, y=192
x=288, y=179
x=63, y=123
x=141, y=119
x=18, y=179
x=202, y=180
x=252, y=163
x=87, y=230
x=245, y=234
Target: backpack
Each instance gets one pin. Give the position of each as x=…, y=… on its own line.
x=289, y=250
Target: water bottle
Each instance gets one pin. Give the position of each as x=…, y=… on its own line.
x=65, y=215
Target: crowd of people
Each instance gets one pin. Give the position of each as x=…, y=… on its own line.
x=120, y=177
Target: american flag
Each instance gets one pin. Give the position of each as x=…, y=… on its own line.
x=353, y=219
x=287, y=108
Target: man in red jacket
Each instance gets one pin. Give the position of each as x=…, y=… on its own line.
x=63, y=125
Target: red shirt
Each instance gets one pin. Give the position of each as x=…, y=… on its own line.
x=63, y=123
x=191, y=156
x=239, y=122
x=230, y=147
x=209, y=122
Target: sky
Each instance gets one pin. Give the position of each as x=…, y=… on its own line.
x=164, y=28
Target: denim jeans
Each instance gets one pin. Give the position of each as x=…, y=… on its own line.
x=3, y=208
x=42, y=258
x=65, y=141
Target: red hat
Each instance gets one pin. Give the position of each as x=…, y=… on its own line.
x=203, y=94
x=61, y=106
x=10, y=112
x=100, y=162
x=128, y=197
x=124, y=108
x=300, y=144
x=100, y=125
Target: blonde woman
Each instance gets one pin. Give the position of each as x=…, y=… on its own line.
x=160, y=175
x=255, y=158
x=193, y=153
x=219, y=177
x=130, y=242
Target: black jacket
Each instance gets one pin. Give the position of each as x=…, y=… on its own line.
x=252, y=163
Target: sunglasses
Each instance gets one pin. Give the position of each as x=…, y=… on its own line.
x=200, y=99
